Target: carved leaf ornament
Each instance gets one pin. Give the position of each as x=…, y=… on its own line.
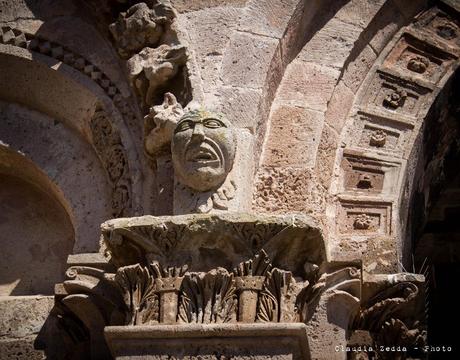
x=253, y=292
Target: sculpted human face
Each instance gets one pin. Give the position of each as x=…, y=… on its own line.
x=203, y=149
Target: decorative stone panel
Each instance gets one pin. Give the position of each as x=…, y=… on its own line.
x=109, y=147
x=440, y=24
x=393, y=95
x=364, y=218
x=381, y=135
x=415, y=58
x=362, y=174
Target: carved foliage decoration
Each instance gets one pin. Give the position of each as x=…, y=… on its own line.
x=392, y=320
x=255, y=234
x=164, y=239
x=108, y=145
x=254, y=291
x=208, y=298
x=153, y=294
x=137, y=286
x=278, y=297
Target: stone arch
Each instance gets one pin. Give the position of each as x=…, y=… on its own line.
x=36, y=227
x=334, y=82
x=313, y=92
x=378, y=141
x=238, y=72
x=50, y=77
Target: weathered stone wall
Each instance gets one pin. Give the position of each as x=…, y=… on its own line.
x=329, y=98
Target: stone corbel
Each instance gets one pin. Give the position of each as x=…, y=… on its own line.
x=393, y=312
x=145, y=37
x=199, y=186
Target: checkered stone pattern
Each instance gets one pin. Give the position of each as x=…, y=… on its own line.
x=15, y=37
x=12, y=36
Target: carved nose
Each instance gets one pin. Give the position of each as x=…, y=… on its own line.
x=198, y=131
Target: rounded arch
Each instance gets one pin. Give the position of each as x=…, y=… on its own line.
x=379, y=140
x=341, y=101
x=36, y=226
x=51, y=79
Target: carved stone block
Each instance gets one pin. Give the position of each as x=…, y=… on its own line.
x=152, y=68
x=381, y=135
x=441, y=24
x=361, y=175
x=140, y=27
x=232, y=194
x=392, y=311
x=389, y=94
x=191, y=239
x=415, y=58
x=368, y=175
x=369, y=218
x=109, y=147
x=211, y=342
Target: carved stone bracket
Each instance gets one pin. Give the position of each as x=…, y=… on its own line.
x=394, y=316
x=144, y=36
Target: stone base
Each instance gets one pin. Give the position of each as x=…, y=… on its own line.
x=216, y=341
x=20, y=349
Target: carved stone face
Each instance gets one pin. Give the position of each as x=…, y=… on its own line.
x=203, y=149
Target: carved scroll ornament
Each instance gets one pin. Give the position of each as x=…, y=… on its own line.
x=392, y=319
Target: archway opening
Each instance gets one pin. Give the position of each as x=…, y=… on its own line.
x=37, y=237
x=433, y=220
x=36, y=228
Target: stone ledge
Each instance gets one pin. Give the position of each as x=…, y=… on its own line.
x=20, y=349
x=207, y=241
x=243, y=340
x=23, y=315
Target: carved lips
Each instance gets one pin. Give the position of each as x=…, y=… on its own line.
x=202, y=154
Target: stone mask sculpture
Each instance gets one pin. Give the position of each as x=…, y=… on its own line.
x=203, y=150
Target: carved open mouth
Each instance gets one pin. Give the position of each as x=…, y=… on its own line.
x=202, y=155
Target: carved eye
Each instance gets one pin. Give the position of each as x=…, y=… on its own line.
x=183, y=126
x=213, y=123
